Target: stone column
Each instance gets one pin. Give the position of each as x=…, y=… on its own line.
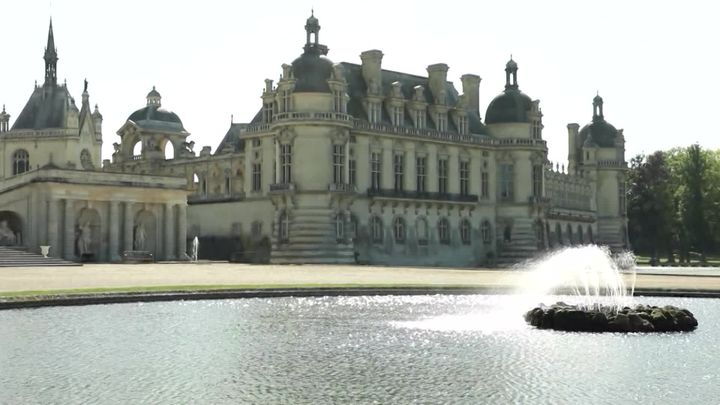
x=169, y=228
x=114, y=231
x=128, y=227
x=69, y=230
x=182, y=231
x=52, y=229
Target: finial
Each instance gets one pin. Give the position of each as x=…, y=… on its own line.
x=511, y=57
x=232, y=118
x=3, y=108
x=85, y=88
x=312, y=11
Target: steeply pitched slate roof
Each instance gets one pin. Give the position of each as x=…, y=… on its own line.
x=46, y=108
x=357, y=90
x=232, y=139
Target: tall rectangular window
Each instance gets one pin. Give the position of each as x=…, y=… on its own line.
x=419, y=118
x=339, y=102
x=506, y=181
x=338, y=160
x=421, y=174
x=441, y=122
x=442, y=176
x=256, y=177
x=464, y=178
x=285, y=163
x=375, y=170
x=621, y=198
x=268, y=112
x=398, y=117
x=352, y=172
x=537, y=180
x=373, y=112
x=484, y=185
x=286, y=101
x=462, y=124
x=228, y=183
x=398, y=169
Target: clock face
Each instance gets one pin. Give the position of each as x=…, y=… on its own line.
x=86, y=160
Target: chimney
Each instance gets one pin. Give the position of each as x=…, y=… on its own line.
x=572, y=144
x=437, y=77
x=371, y=70
x=471, y=89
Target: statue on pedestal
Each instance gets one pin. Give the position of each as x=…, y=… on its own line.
x=84, y=239
x=139, y=242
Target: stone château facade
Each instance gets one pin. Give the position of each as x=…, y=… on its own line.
x=343, y=163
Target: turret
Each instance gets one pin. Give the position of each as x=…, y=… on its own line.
x=51, y=59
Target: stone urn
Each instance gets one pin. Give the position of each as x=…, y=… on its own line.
x=45, y=250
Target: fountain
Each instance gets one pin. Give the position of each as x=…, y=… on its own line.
x=599, y=299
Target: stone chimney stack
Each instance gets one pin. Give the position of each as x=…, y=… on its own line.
x=437, y=77
x=471, y=89
x=372, y=70
x=572, y=144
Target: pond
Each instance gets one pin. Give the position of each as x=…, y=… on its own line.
x=381, y=349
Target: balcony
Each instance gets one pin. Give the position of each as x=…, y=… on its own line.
x=282, y=188
x=342, y=188
x=422, y=195
x=220, y=198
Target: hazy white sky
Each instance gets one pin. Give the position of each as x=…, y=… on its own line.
x=655, y=63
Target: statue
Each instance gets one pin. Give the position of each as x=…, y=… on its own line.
x=116, y=146
x=195, y=249
x=7, y=236
x=85, y=88
x=139, y=243
x=84, y=239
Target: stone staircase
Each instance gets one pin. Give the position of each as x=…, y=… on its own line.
x=522, y=247
x=312, y=240
x=19, y=257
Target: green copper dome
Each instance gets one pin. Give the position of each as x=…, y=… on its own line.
x=510, y=106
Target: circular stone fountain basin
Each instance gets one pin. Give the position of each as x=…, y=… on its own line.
x=599, y=318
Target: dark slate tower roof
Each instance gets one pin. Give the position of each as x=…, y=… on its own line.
x=599, y=132
x=511, y=105
x=48, y=105
x=312, y=69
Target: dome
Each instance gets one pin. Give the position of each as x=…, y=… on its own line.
x=312, y=71
x=511, y=65
x=510, y=106
x=157, y=118
x=600, y=133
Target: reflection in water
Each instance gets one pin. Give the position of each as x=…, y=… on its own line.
x=423, y=349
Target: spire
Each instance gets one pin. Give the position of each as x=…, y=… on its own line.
x=51, y=58
x=598, y=108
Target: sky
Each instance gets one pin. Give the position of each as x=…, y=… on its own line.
x=655, y=63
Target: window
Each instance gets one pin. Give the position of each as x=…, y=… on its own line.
x=398, y=117
x=256, y=230
x=399, y=230
x=398, y=166
x=340, y=226
x=353, y=227
x=228, y=182
x=442, y=176
x=568, y=230
x=441, y=122
x=352, y=172
x=204, y=186
x=484, y=185
x=286, y=101
x=558, y=234
x=422, y=232
x=537, y=180
x=339, y=102
x=338, y=164
x=286, y=163
x=256, y=142
x=506, y=181
x=465, y=230
x=590, y=234
x=536, y=129
x=375, y=170
x=462, y=124
x=373, y=112
x=580, y=235
x=444, y=231
x=420, y=171
x=21, y=161
x=256, y=177
x=419, y=118
x=284, y=227
x=376, y=228
x=621, y=198
x=267, y=112
x=464, y=178
x=486, y=232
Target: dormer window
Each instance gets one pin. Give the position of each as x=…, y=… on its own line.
x=398, y=116
x=286, y=101
x=338, y=101
x=419, y=118
x=267, y=112
x=536, y=130
x=373, y=112
x=441, y=121
x=462, y=123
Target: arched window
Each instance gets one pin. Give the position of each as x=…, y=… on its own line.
x=340, y=226
x=21, y=161
x=558, y=234
x=568, y=230
x=465, y=230
x=422, y=231
x=580, y=234
x=399, y=230
x=376, y=227
x=444, y=231
x=486, y=232
x=284, y=227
